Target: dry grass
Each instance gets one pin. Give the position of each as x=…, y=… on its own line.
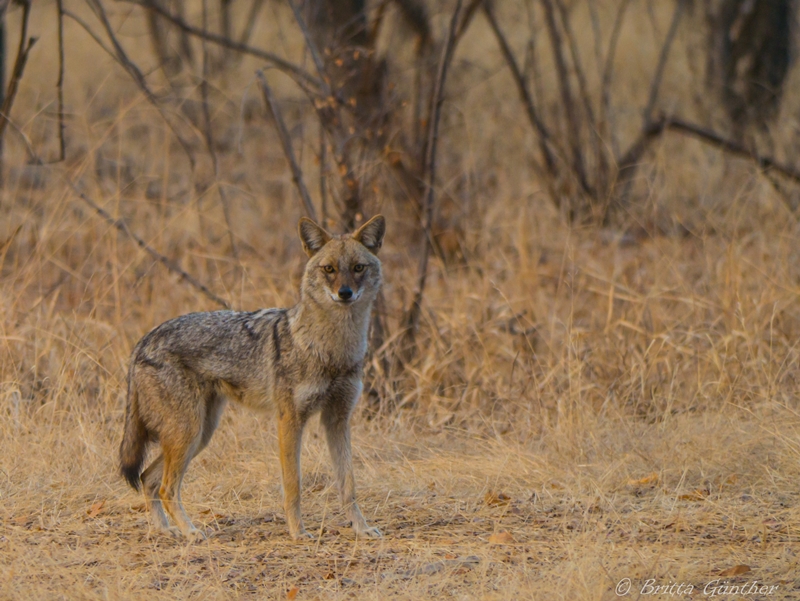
x=622, y=405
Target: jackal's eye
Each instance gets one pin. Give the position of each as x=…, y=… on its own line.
x=328, y=269
x=359, y=268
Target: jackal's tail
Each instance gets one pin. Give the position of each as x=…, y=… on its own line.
x=134, y=439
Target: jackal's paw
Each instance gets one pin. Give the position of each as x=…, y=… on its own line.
x=302, y=535
x=368, y=531
x=196, y=536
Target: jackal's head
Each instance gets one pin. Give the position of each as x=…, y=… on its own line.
x=342, y=271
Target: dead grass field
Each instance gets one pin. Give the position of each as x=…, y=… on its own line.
x=588, y=405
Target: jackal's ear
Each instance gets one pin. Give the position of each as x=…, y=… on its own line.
x=312, y=235
x=371, y=233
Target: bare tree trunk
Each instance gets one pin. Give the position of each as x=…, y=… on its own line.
x=750, y=46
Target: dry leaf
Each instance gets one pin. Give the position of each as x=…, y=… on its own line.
x=501, y=538
x=96, y=508
x=651, y=479
x=735, y=570
x=292, y=593
x=493, y=499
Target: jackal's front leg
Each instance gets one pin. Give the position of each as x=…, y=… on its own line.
x=337, y=430
x=290, y=434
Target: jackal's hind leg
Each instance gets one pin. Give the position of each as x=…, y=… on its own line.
x=151, y=482
x=176, y=460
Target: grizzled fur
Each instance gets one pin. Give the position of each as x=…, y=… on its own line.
x=295, y=362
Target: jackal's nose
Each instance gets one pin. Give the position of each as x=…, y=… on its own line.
x=345, y=293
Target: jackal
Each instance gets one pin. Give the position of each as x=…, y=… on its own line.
x=296, y=361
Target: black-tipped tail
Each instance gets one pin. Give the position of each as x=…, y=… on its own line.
x=134, y=442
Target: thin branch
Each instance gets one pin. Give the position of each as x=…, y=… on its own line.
x=85, y=26
x=323, y=172
x=573, y=123
x=633, y=156
x=209, y=136
x=297, y=73
x=731, y=147
x=25, y=45
x=608, y=74
x=412, y=316
x=122, y=226
x=286, y=142
x=662, y=61
x=126, y=63
x=583, y=87
x=118, y=53
x=227, y=24
x=596, y=34
x=628, y=163
x=62, y=147
x=466, y=18
x=250, y=23
x=312, y=48
x=524, y=91
x=576, y=61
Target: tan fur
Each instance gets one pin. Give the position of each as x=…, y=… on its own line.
x=295, y=361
